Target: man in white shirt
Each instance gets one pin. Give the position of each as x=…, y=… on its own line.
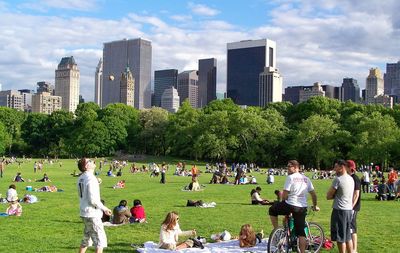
x=295, y=201
x=91, y=208
x=365, y=181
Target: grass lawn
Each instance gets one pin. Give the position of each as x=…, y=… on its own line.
x=53, y=223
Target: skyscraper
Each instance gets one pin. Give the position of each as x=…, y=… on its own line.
x=392, y=79
x=188, y=88
x=270, y=87
x=207, y=81
x=135, y=53
x=374, y=85
x=170, y=100
x=163, y=79
x=67, y=83
x=245, y=61
x=350, y=90
x=127, y=87
x=98, y=82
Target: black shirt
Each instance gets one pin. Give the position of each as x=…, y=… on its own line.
x=357, y=186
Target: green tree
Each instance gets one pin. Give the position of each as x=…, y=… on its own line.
x=12, y=120
x=5, y=139
x=90, y=140
x=35, y=132
x=313, y=141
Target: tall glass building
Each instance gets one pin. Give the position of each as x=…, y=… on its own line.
x=351, y=90
x=163, y=79
x=245, y=61
x=207, y=81
x=117, y=55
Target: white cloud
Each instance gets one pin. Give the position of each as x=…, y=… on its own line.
x=181, y=18
x=202, y=10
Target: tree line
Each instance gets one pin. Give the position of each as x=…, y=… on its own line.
x=315, y=132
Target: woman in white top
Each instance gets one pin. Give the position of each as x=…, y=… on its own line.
x=170, y=231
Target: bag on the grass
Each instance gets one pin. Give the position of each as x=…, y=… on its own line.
x=197, y=243
x=328, y=244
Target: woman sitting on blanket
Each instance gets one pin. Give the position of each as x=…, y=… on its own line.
x=170, y=231
x=248, y=238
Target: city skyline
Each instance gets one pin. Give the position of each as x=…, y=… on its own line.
x=311, y=37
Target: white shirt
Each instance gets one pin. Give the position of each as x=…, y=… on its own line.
x=89, y=196
x=11, y=194
x=366, y=176
x=171, y=236
x=298, y=187
x=256, y=196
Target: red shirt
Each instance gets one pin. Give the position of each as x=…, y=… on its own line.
x=138, y=212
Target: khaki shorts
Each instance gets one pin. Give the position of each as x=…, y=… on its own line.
x=172, y=246
x=94, y=231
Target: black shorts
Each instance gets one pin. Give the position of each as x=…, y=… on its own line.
x=340, y=225
x=353, y=225
x=299, y=215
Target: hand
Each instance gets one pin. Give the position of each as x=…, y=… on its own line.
x=316, y=208
x=108, y=212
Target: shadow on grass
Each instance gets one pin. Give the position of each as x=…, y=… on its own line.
x=68, y=221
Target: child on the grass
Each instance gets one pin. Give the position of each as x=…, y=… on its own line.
x=14, y=207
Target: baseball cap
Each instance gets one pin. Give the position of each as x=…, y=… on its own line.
x=352, y=165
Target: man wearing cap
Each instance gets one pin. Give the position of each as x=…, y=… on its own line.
x=341, y=192
x=356, y=202
x=91, y=207
x=295, y=201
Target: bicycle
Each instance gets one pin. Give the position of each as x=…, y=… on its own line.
x=284, y=240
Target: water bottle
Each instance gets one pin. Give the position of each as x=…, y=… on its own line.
x=291, y=223
x=306, y=230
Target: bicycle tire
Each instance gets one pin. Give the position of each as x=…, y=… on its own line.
x=278, y=241
x=315, y=239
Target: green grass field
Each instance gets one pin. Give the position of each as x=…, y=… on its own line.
x=53, y=223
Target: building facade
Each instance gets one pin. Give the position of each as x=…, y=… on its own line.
x=170, y=100
x=45, y=102
x=127, y=88
x=135, y=53
x=188, y=88
x=44, y=86
x=98, y=82
x=270, y=87
x=163, y=79
x=392, y=79
x=350, y=90
x=307, y=93
x=27, y=99
x=374, y=85
x=207, y=81
x=245, y=61
x=12, y=99
x=67, y=83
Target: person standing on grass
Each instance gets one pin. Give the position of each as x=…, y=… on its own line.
x=356, y=202
x=341, y=192
x=91, y=207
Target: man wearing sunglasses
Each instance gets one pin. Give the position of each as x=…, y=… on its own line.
x=91, y=208
x=294, y=196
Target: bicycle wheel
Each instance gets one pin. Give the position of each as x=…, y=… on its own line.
x=315, y=238
x=278, y=241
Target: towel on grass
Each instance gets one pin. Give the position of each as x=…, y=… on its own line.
x=218, y=247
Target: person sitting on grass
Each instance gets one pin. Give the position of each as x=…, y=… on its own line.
x=248, y=238
x=256, y=199
x=170, y=232
x=383, y=190
x=11, y=193
x=120, y=185
x=138, y=213
x=44, y=179
x=14, y=207
x=121, y=213
x=18, y=178
x=110, y=173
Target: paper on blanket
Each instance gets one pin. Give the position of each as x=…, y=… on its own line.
x=219, y=247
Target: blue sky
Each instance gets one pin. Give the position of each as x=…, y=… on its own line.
x=316, y=40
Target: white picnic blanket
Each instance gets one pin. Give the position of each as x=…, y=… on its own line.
x=218, y=247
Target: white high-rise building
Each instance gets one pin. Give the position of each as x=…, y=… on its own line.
x=67, y=83
x=44, y=102
x=170, y=100
x=188, y=88
x=98, y=82
x=374, y=85
x=307, y=93
x=12, y=99
x=270, y=86
x=135, y=53
x=127, y=88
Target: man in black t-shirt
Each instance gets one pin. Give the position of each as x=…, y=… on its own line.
x=356, y=202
